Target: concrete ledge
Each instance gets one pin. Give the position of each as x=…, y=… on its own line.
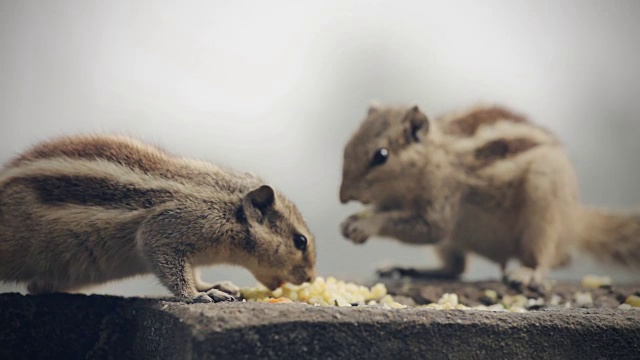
x=79, y=326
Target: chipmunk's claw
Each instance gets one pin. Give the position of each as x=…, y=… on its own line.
x=524, y=278
x=352, y=228
x=220, y=296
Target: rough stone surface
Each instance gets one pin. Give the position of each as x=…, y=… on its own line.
x=79, y=326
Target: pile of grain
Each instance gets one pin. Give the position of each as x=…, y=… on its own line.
x=321, y=292
x=333, y=292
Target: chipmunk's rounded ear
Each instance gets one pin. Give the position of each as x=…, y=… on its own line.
x=416, y=124
x=374, y=107
x=257, y=202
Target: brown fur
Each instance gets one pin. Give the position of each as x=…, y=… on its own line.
x=485, y=181
x=116, y=149
x=501, y=149
x=469, y=124
x=600, y=225
x=131, y=153
x=83, y=210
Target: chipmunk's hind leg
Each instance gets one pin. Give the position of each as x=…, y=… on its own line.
x=547, y=221
x=453, y=265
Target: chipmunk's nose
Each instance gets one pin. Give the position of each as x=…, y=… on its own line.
x=345, y=195
x=311, y=277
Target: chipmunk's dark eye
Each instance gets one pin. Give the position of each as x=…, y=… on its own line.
x=379, y=157
x=300, y=241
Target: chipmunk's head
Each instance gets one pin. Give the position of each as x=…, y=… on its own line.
x=377, y=156
x=279, y=244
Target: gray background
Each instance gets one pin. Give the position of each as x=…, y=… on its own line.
x=277, y=88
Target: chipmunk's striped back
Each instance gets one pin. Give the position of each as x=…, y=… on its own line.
x=491, y=134
x=117, y=172
x=141, y=158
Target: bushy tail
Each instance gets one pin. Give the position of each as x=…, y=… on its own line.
x=611, y=237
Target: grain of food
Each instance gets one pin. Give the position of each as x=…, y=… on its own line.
x=535, y=302
x=496, y=307
x=451, y=299
x=279, y=301
x=491, y=296
x=595, y=281
x=567, y=305
x=514, y=300
x=518, y=309
x=633, y=301
x=583, y=299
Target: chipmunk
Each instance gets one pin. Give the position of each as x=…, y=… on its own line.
x=484, y=180
x=83, y=210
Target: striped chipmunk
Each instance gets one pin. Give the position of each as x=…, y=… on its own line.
x=484, y=180
x=83, y=210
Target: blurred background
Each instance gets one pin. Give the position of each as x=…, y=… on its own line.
x=277, y=88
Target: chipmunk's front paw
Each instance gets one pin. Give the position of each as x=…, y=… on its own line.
x=524, y=278
x=393, y=272
x=201, y=298
x=355, y=229
x=213, y=295
x=220, y=296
